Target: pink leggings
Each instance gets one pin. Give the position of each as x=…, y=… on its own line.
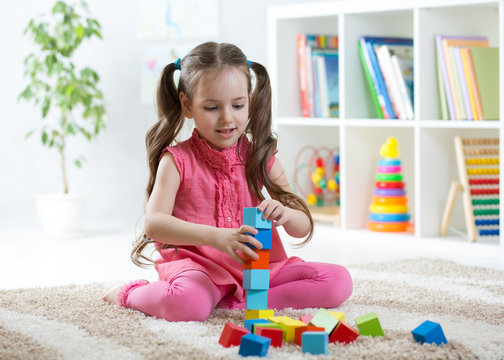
x=192, y=295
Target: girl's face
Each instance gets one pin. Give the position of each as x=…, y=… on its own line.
x=219, y=107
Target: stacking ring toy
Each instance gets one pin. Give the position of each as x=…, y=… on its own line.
x=389, y=217
x=384, y=162
x=389, y=184
x=389, y=177
x=389, y=192
x=377, y=226
x=390, y=169
x=383, y=200
x=396, y=209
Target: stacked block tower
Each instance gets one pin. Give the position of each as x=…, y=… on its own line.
x=389, y=209
x=256, y=273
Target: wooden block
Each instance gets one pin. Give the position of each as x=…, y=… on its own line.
x=429, y=332
x=306, y=319
x=256, y=299
x=253, y=217
x=250, y=323
x=275, y=335
x=261, y=263
x=289, y=328
x=298, y=332
x=343, y=333
x=256, y=279
x=254, y=345
x=279, y=319
x=231, y=335
x=269, y=325
x=338, y=315
x=315, y=342
x=264, y=236
x=258, y=314
x=369, y=325
x=324, y=319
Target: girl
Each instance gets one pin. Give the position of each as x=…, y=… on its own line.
x=198, y=188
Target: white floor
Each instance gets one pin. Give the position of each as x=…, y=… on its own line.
x=28, y=258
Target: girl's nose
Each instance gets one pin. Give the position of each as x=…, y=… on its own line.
x=226, y=115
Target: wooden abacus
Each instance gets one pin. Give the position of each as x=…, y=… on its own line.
x=478, y=168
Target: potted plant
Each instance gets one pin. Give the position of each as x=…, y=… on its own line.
x=69, y=101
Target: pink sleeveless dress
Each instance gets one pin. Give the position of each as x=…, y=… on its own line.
x=213, y=191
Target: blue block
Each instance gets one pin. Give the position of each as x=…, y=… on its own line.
x=315, y=342
x=429, y=332
x=264, y=236
x=254, y=345
x=256, y=300
x=253, y=217
x=250, y=323
x=256, y=279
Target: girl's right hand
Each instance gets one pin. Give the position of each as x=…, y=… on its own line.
x=230, y=240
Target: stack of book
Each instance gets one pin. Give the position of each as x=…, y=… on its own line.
x=388, y=67
x=318, y=75
x=468, y=78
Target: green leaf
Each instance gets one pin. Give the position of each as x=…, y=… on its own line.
x=78, y=163
x=79, y=30
x=59, y=7
x=44, y=137
x=29, y=133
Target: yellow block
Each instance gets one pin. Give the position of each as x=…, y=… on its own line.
x=278, y=319
x=338, y=315
x=289, y=328
x=259, y=314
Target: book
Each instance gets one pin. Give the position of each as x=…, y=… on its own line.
x=369, y=43
x=472, y=84
x=327, y=72
x=462, y=82
x=456, y=82
x=442, y=44
x=370, y=76
x=308, y=76
x=486, y=68
x=402, y=63
x=442, y=97
x=391, y=81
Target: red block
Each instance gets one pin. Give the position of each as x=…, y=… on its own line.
x=232, y=334
x=275, y=335
x=343, y=333
x=298, y=335
x=306, y=319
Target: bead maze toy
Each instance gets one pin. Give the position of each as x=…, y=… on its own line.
x=389, y=209
x=320, y=184
x=478, y=169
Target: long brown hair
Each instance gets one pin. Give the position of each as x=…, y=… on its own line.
x=203, y=58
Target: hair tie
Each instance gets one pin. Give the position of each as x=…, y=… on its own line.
x=177, y=64
x=250, y=63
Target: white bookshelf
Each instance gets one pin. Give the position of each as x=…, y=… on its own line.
x=425, y=143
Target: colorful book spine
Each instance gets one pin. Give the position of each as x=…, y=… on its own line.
x=463, y=84
x=371, y=80
x=303, y=80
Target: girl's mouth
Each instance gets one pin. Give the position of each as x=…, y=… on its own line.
x=226, y=132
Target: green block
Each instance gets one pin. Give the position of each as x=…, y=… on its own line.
x=369, y=325
x=324, y=319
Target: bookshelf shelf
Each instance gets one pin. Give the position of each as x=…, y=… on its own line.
x=426, y=142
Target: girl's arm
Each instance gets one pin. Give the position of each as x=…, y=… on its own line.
x=295, y=222
x=162, y=226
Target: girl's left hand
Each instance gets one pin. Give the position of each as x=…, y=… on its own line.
x=274, y=211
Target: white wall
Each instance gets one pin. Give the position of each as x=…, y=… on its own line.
x=115, y=172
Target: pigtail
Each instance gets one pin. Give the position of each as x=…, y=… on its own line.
x=264, y=145
x=162, y=134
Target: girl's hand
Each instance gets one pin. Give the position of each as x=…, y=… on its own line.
x=230, y=240
x=274, y=211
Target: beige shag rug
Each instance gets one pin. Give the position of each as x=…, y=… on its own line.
x=72, y=322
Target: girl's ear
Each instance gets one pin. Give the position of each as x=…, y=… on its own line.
x=186, y=105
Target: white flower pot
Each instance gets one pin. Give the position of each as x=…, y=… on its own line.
x=62, y=215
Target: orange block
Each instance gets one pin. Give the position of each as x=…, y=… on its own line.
x=300, y=330
x=261, y=263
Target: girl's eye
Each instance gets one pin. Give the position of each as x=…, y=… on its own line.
x=238, y=106
x=210, y=108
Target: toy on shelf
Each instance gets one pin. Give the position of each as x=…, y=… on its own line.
x=321, y=186
x=478, y=168
x=389, y=209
